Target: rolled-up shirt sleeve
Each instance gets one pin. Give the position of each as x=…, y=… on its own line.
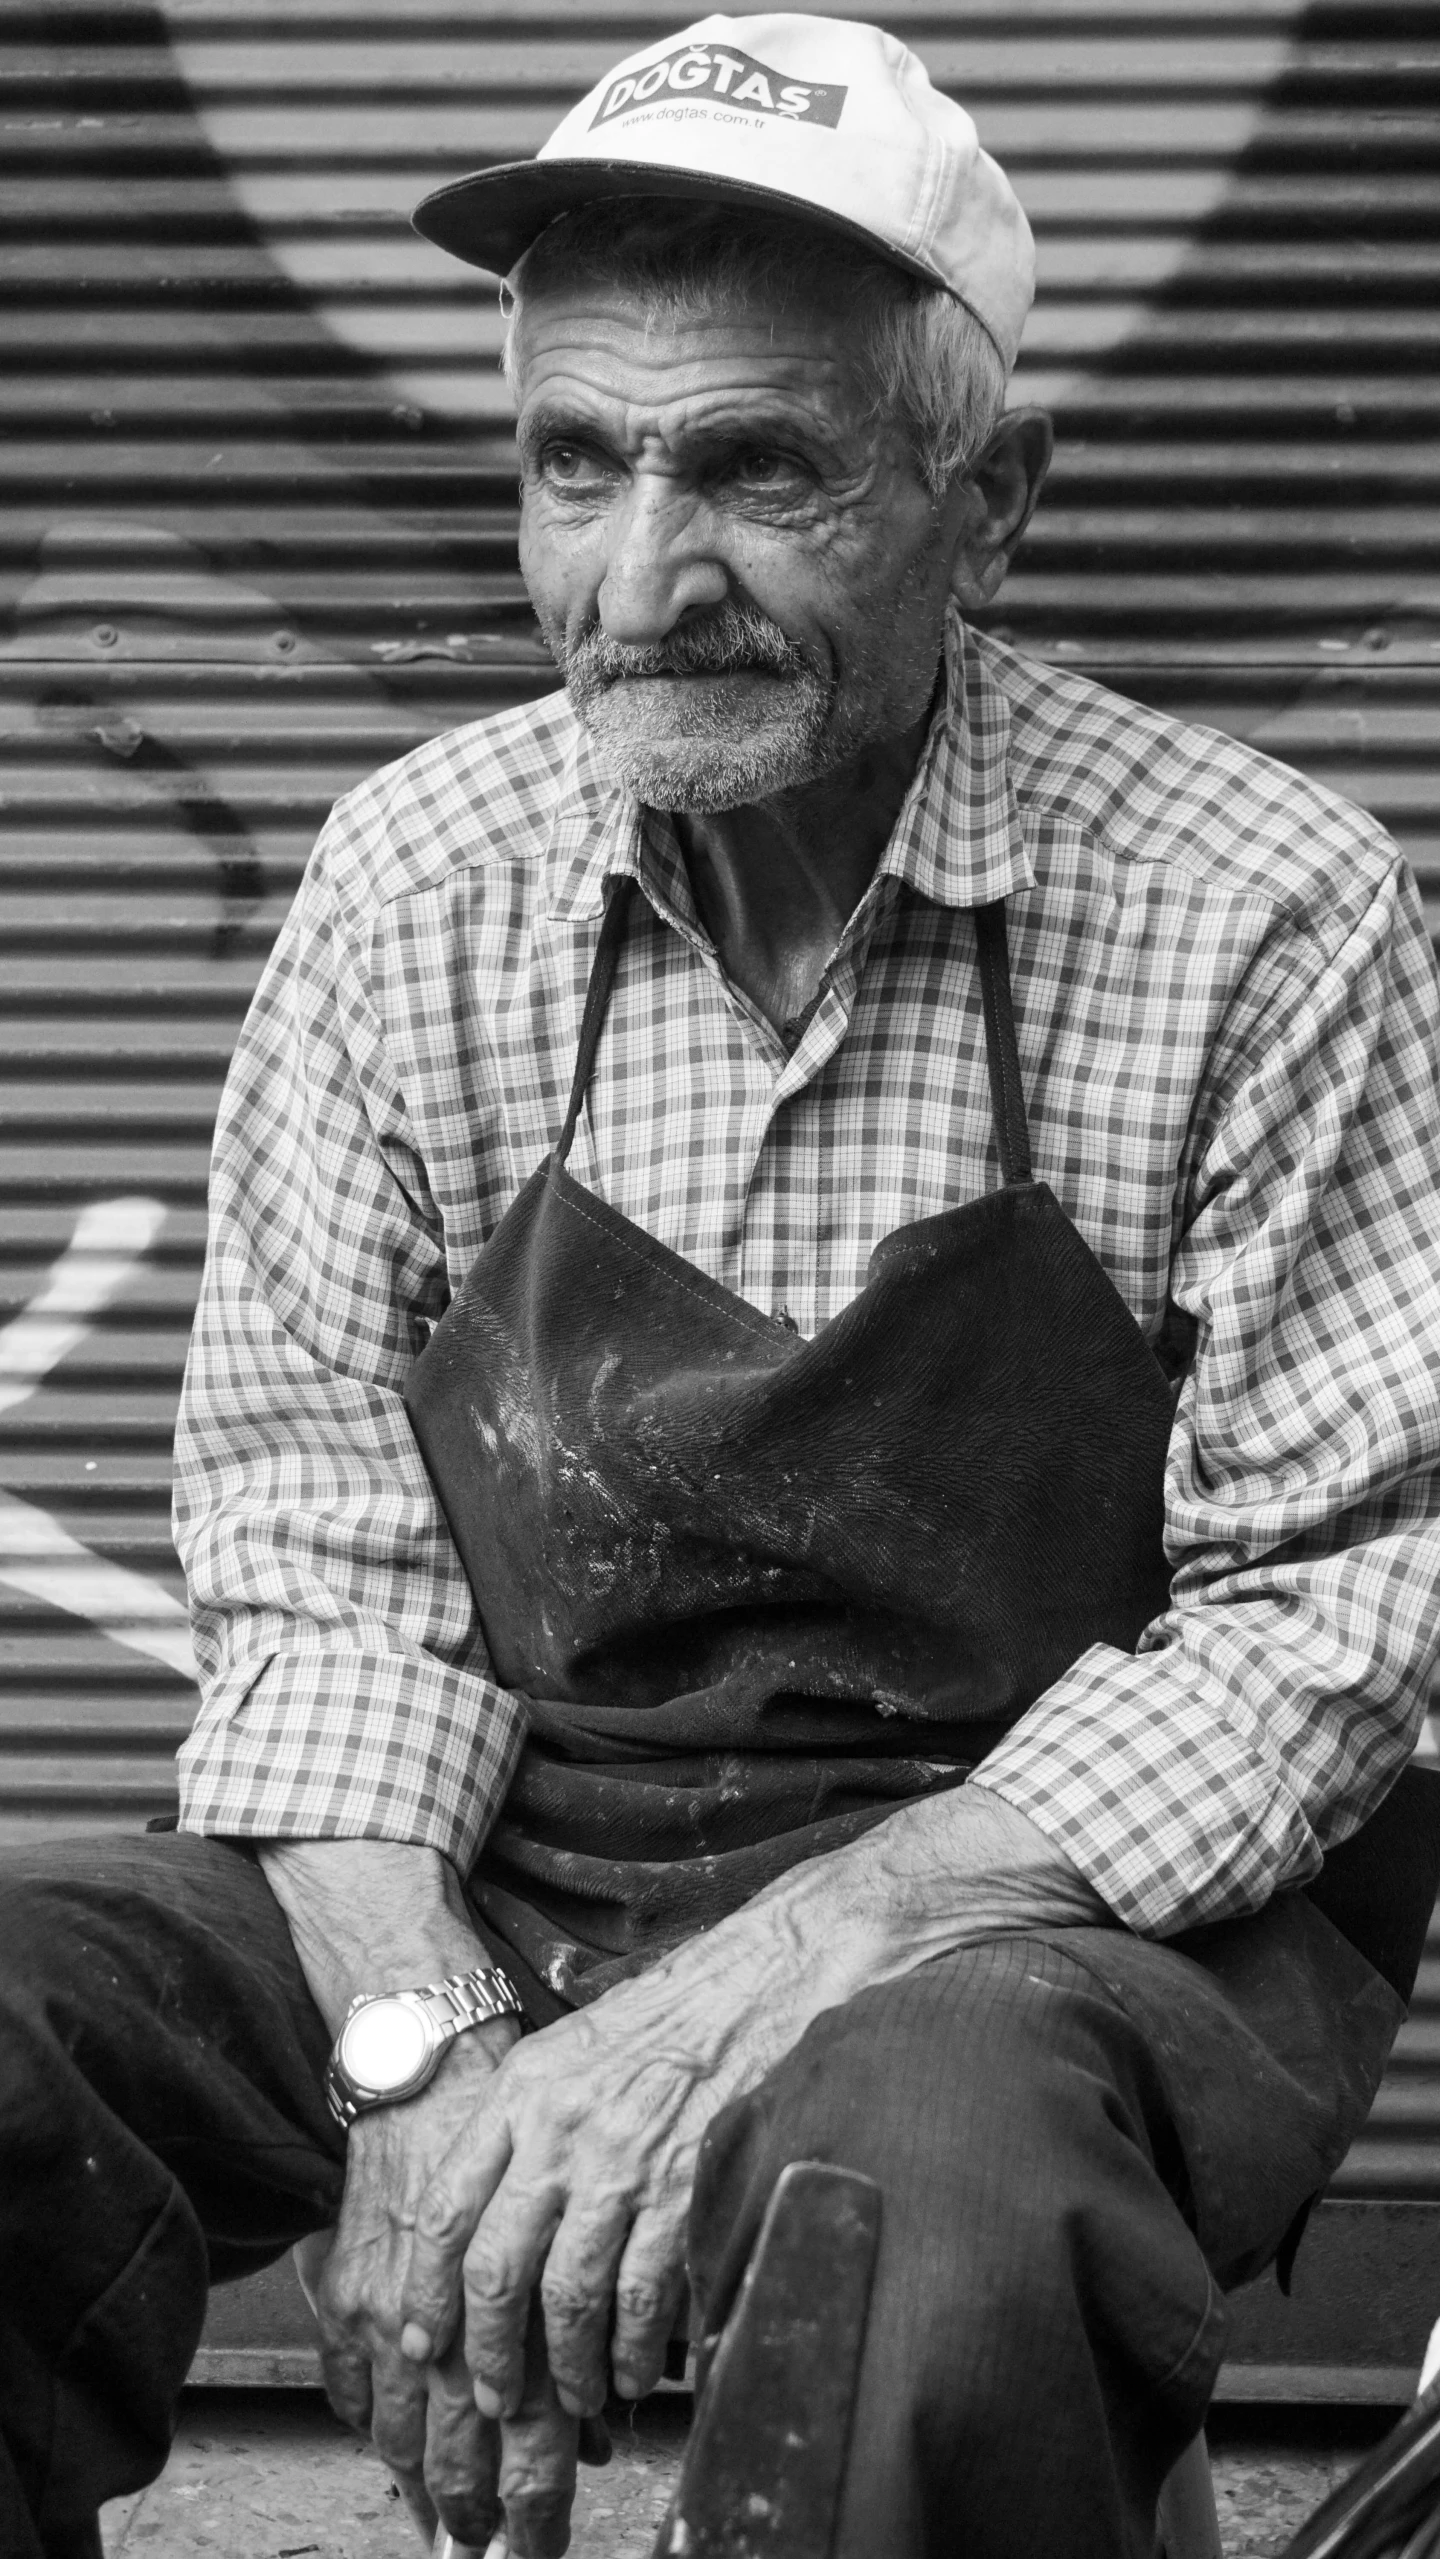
x=1266, y=1713
x=346, y=1691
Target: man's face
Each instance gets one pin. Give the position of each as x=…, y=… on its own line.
x=732, y=557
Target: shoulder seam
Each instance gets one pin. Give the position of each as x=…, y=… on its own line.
x=373, y=826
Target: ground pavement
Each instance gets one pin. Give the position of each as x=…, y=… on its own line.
x=272, y=2475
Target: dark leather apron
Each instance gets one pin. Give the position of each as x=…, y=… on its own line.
x=759, y=1590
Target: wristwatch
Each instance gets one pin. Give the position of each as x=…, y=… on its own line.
x=389, y=2046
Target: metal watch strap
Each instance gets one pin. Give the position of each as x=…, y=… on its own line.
x=468, y=1999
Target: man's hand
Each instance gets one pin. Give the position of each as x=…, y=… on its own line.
x=573, y=2178
x=577, y=2169
x=426, y=2425
x=368, y=1915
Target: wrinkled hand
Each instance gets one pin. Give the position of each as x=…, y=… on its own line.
x=573, y=2178
x=374, y=1914
x=571, y=2181
x=426, y=2423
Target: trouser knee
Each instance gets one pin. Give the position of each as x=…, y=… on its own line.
x=1032, y=2251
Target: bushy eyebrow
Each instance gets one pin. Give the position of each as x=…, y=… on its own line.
x=554, y=422
x=557, y=425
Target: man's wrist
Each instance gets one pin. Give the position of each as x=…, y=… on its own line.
x=947, y=1871
x=370, y=1915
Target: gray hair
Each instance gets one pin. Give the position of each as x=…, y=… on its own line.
x=930, y=361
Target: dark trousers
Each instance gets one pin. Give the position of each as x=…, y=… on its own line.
x=1073, y=2138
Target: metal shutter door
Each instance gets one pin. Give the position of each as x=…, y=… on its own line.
x=258, y=536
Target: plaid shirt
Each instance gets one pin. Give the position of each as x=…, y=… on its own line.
x=1226, y=1008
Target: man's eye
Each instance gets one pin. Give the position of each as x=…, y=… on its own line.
x=569, y=463
x=761, y=470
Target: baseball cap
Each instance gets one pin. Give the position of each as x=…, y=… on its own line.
x=819, y=117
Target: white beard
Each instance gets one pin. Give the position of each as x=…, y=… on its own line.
x=688, y=745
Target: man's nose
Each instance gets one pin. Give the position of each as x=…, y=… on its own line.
x=659, y=566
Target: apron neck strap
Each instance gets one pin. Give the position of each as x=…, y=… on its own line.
x=1002, y=1056
x=1007, y=1098
x=597, y=1001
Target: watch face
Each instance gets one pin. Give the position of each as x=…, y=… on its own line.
x=385, y=2045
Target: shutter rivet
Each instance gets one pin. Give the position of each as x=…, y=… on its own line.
x=104, y=635
x=285, y=642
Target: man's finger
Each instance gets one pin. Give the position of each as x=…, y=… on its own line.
x=344, y=2340
x=398, y=2410
x=450, y=2207
x=462, y=2454
x=577, y=2293
x=649, y=2284
x=345, y=2372
x=502, y=2267
x=537, y=2460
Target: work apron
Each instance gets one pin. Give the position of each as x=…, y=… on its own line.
x=757, y=1591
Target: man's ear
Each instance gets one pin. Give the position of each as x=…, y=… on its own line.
x=1001, y=489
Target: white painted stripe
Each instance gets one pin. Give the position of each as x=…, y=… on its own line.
x=110, y=1237
x=43, y=1561
x=38, y=1557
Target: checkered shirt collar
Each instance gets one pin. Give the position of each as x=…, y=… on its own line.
x=957, y=841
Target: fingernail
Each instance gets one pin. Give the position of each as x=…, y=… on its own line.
x=416, y=2342
x=488, y=2401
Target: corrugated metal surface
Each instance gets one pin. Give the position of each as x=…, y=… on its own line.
x=258, y=535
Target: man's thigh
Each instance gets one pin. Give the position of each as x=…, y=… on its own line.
x=152, y=2005
x=162, y=2122
x=1044, y=2332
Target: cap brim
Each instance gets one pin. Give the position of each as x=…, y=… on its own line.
x=491, y=218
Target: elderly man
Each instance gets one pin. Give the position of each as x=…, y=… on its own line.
x=809, y=1457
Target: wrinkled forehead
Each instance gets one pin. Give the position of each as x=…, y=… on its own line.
x=652, y=327
x=637, y=362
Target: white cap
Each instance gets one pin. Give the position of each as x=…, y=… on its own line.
x=818, y=117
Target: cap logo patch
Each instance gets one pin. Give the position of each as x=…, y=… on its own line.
x=696, y=71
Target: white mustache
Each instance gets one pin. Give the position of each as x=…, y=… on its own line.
x=736, y=641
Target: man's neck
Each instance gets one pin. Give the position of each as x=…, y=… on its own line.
x=777, y=882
